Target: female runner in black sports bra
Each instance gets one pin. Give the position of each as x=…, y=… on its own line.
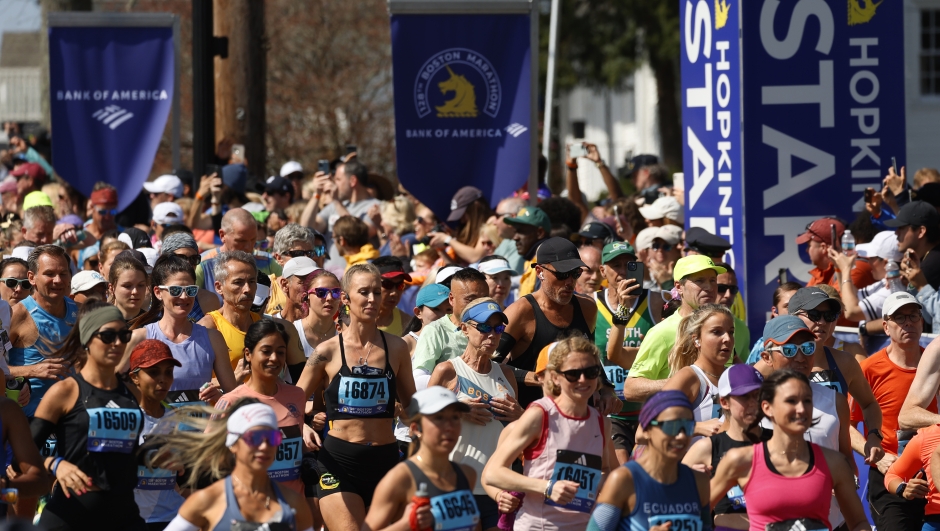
x=363, y=371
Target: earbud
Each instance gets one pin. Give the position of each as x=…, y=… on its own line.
x=541, y=277
x=698, y=343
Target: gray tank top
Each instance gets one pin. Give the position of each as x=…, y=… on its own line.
x=195, y=354
x=232, y=517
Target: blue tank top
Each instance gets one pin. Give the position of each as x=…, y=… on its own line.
x=831, y=377
x=196, y=313
x=52, y=333
x=195, y=354
x=233, y=513
x=657, y=503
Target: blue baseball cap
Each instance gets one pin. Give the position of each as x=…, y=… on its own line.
x=432, y=295
x=781, y=329
x=481, y=310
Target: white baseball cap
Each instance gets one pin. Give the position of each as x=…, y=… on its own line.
x=300, y=267
x=247, y=417
x=644, y=240
x=85, y=280
x=445, y=273
x=896, y=300
x=671, y=234
x=168, y=213
x=664, y=207
x=151, y=255
x=884, y=245
x=261, y=293
x=291, y=166
x=433, y=399
x=165, y=184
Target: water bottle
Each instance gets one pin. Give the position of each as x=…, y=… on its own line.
x=893, y=277
x=848, y=242
x=9, y=496
x=420, y=499
x=14, y=386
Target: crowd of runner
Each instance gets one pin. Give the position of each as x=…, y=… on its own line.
x=324, y=352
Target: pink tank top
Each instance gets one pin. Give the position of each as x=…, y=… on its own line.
x=808, y=496
x=568, y=449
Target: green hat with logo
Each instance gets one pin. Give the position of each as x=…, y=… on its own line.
x=533, y=216
x=614, y=249
x=693, y=264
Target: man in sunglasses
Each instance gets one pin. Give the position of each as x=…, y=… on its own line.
x=532, y=228
x=292, y=241
x=104, y=202
x=394, y=281
x=696, y=279
x=837, y=369
x=891, y=372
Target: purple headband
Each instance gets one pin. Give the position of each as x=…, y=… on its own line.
x=661, y=401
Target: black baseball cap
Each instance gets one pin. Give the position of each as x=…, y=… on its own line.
x=278, y=185
x=461, y=200
x=640, y=161
x=918, y=213
x=559, y=253
x=809, y=299
x=704, y=242
x=595, y=230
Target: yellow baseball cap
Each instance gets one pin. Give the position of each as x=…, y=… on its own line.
x=693, y=264
x=35, y=199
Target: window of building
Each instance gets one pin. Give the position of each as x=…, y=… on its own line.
x=930, y=52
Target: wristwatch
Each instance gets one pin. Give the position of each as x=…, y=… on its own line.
x=862, y=331
x=900, y=490
x=877, y=433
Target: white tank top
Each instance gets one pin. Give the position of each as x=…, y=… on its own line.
x=477, y=443
x=706, y=406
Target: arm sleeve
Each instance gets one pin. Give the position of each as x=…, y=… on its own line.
x=180, y=524
x=605, y=517
x=40, y=429
x=506, y=344
x=907, y=464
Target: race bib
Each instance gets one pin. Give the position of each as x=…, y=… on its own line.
x=113, y=429
x=156, y=479
x=617, y=376
x=680, y=522
x=736, y=497
x=585, y=470
x=455, y=511
x=286, y=466
x=363, y=396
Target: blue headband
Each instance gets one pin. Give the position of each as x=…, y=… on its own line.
x=661, y=401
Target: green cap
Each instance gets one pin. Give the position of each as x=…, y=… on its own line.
x=534, y=216
x=693, y=264
x=35, y=199
x=614, y=249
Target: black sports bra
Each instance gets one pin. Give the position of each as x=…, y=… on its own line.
x=362, y=392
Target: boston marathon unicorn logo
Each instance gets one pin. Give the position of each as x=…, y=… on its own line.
x=859, y=14
x=451, y=81
x=463, y=104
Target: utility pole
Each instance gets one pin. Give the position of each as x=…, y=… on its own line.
x=240, y=81
x=205, y=47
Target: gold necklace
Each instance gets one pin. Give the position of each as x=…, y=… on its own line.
x=267, y=499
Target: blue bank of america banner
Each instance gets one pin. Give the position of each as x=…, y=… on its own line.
x=111, y=90
x=711, y=123
x=462, y=105
x=823, y=115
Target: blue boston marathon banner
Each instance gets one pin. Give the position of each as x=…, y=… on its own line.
x=824, y=112
x=462, y=105
x=711, y=123
x=111, y=90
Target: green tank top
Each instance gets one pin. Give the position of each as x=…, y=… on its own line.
x=637, y=327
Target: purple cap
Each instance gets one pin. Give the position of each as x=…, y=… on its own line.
x=739, y=380
x=661, y=401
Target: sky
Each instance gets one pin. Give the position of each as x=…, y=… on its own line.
x=19, y=15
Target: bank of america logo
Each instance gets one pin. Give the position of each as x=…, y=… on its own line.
x=581, y=461
x=112, y=116
x=516, y=129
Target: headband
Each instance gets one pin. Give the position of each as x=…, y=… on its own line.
x=104, y=196
x=661, y=401
x=246, y=417
x=91, y=322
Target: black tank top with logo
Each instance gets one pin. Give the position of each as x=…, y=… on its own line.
x=546, y=333
x=100, y=435
x=733, y=502
x=362, y=392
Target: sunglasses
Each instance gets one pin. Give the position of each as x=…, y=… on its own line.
x=322, y=292
x=722, y=288
x=317, y=251
x=12, y=283
x=108, y=336
x=392, y=285
x=589, y=373
x=107, y=211
x=193, y=260
x=256, y=437
x=486, y=329
x=94, y=263
x=665, y=247
x=816, y=315
x=673, y=427
x=790, y=351
x=176, y=291
x=574, y=273
x=913, y=318
x=423, y=221
x=262, y=244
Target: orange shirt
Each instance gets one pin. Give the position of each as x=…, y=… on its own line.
x=889, y=383
x=916, y=456
x=861, y=277
x=288, y=404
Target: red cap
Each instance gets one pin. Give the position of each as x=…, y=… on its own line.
x=105, y=196
x=150, y=352
x=30, y=169
x=820, y=231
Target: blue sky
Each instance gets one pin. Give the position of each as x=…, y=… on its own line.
x=19, y=15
